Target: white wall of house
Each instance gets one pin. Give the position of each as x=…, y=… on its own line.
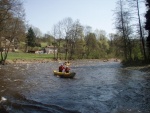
x=50, y=50
x=39, y=52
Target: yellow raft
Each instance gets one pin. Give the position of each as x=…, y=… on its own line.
x=64, y=74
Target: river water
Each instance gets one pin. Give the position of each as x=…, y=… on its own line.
x=98, y=87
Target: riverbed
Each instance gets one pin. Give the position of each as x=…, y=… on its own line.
x=98, y=87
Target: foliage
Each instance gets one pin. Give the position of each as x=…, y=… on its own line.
x=30, y=38
x=80, y=48
x=91, y=44
x=128, y=43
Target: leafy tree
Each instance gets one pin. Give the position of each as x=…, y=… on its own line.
x=74, y=34
x=30, y=38
x=102, y=42
x=91, y=44
x=104, y=46
x=80, y=48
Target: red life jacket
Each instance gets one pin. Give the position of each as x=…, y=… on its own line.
x=61, y=68
x=67, y=69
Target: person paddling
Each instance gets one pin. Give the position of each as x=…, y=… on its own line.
x=67, y=69
x=61, y=68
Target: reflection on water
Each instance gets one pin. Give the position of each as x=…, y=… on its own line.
x=98, y=87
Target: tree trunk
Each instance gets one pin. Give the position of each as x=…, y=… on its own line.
x=58, y=49
x=55, y=49
x=123, y=30
x=141, y=33
x=66, y=50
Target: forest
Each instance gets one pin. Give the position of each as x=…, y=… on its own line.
x=130, y=43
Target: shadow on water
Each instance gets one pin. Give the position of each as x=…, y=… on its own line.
x=19, y=104
x=98, y=87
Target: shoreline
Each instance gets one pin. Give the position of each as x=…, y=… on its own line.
x=26, y=61
x=144, y=68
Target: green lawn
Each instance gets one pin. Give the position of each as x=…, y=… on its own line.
x=28, y=56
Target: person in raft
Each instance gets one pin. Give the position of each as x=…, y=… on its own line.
x=67, y=69
x=61, y=68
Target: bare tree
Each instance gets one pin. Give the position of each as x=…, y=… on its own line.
x=69, y=31
x=59, y=35
x=135, y=4
x=67, y=26
x=37, y=32
x=87, y=30
x=12, y=25
x=123, y=26
x=54, y=31
x=75, y=33
x=147, y=26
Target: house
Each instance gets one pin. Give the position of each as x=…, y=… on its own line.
x=6, y=44
x=39, y=52
x=50, y=50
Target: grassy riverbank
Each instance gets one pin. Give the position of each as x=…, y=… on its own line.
x=20, y=57
x=28, y=56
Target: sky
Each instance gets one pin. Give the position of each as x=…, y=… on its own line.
x=44, y=14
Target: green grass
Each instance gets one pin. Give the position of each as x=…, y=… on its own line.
x=28, y=56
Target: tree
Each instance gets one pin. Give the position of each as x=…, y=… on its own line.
x=91, y=45
x=87, y=30
x=59, y=32
x=74, y=34
x=147, y=25
x=47, y=38
x=54, y=31
x=11, y=25
x=37, y=32
x=5, y=8
x=124, y=28
x=103, y=43
x=67, y=25
x=30, y=38
x=80, y=48
x=136, y=6
x=115, y=46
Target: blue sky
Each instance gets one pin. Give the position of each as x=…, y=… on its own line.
x=98, y=14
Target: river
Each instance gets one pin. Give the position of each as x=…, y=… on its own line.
x=98, y=87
